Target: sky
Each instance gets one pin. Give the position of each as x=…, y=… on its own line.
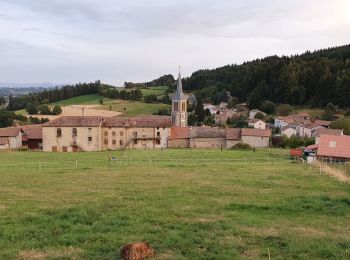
x=70, y=41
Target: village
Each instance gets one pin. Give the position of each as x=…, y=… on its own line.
x=100, y=133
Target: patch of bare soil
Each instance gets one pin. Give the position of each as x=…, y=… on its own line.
x=70, y=253
x=336, y=173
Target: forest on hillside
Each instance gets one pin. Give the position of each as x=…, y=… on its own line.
x=313, y=78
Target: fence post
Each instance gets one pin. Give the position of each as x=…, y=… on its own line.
x=76, y=164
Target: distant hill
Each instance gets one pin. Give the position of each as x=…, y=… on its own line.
x=313, y=78
x=18, y=89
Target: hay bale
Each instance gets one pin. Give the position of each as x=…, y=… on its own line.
x=136, y=251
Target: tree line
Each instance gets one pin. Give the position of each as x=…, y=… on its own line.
x=313, y=78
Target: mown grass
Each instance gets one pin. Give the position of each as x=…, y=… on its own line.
x=92, y=99
x=198, y=210
x=158, y=91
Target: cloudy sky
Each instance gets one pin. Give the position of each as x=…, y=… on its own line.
x=68, y=41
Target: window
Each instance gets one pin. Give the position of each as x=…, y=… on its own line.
x=114, y=142
x=89, y=139
x=158, y=134
x=183, y=106
x=106, y=133
x=121, y=142
x=59, y=132
x=175, y=106
x=106, y=141
x=158, y=128
x=134, y=134
x=135, y=141
x=74, y=132
x=158, y=141
x=89, y=129
x=121, y=133
x=114, y=133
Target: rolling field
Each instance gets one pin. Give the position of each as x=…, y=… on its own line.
x=199, y=204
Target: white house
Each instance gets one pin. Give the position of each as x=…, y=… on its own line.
x=257, y=123
x=288, y=131
x=253, y=112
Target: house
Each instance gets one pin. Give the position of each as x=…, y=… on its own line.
x=257, y=123
x=308, y=130
x=10, y=138
x=90, y=133
x=222, y=115
x=253, y=112
x=179, y=137
x=213, y=109
x=289, y=131
x=334, y=147
x=282, y=121
x=256, y=137
x=207, y=137
x=326, y=131
x=32, y=137
x=233, y=136
x=323, y=123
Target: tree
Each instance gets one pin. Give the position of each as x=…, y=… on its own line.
x=2, y=101
x=45, y=110
x=150, y=98
x=192, y=119
x=254, y=100
x=199, y=111
x=330, y=109
x=284, y=109
x=57, y=110
x=32, y=108
x=268, y=107
x=232, y=102
x=259, y=116
x=100, y=101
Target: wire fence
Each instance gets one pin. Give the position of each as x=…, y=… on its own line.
x=126, y=162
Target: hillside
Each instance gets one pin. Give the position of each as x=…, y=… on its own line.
x=313, y=78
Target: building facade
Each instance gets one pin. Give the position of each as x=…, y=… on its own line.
x=71, y=134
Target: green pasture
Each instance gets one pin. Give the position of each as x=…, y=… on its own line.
x=188, y=204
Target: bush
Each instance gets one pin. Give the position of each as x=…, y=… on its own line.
x=57, y=110
x=268, y=107
x=284, y=109
x=241, y=146
x=150, y=99
x=343, y=123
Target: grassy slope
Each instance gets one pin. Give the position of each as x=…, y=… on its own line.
x=133, y=108
x=216, y=211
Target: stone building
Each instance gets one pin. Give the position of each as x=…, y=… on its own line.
x=69, y=134
x=10, y=138
x=256, y=137
x=179, y=106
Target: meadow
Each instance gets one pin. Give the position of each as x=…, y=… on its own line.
x=188, y=204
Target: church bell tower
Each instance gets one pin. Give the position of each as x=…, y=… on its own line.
x=179, y=106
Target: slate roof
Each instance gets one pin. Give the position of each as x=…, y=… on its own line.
x=334, y=146
x=9, y=131
x=256, y=132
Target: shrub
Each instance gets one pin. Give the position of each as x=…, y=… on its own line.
x=268, y=107
x=241, y=146
x=284, y=109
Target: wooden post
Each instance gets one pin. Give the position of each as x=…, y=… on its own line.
x=268, y=251
x=76, y=164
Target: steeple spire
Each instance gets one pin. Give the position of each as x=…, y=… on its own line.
x=179, y=93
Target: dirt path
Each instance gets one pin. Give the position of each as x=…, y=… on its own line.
x=337, y=173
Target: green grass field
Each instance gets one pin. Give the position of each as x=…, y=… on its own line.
x=158, y=91
x=199, y=204
x=92, y=99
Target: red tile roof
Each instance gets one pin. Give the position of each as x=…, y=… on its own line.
x=32, y=132
x=334, y=146
x=93, y=121
x=256, y=132
x=207, y=132
x=78, y=121
x=179, y=133
x=233, y=133
x=312, y=147
x=9, y=131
